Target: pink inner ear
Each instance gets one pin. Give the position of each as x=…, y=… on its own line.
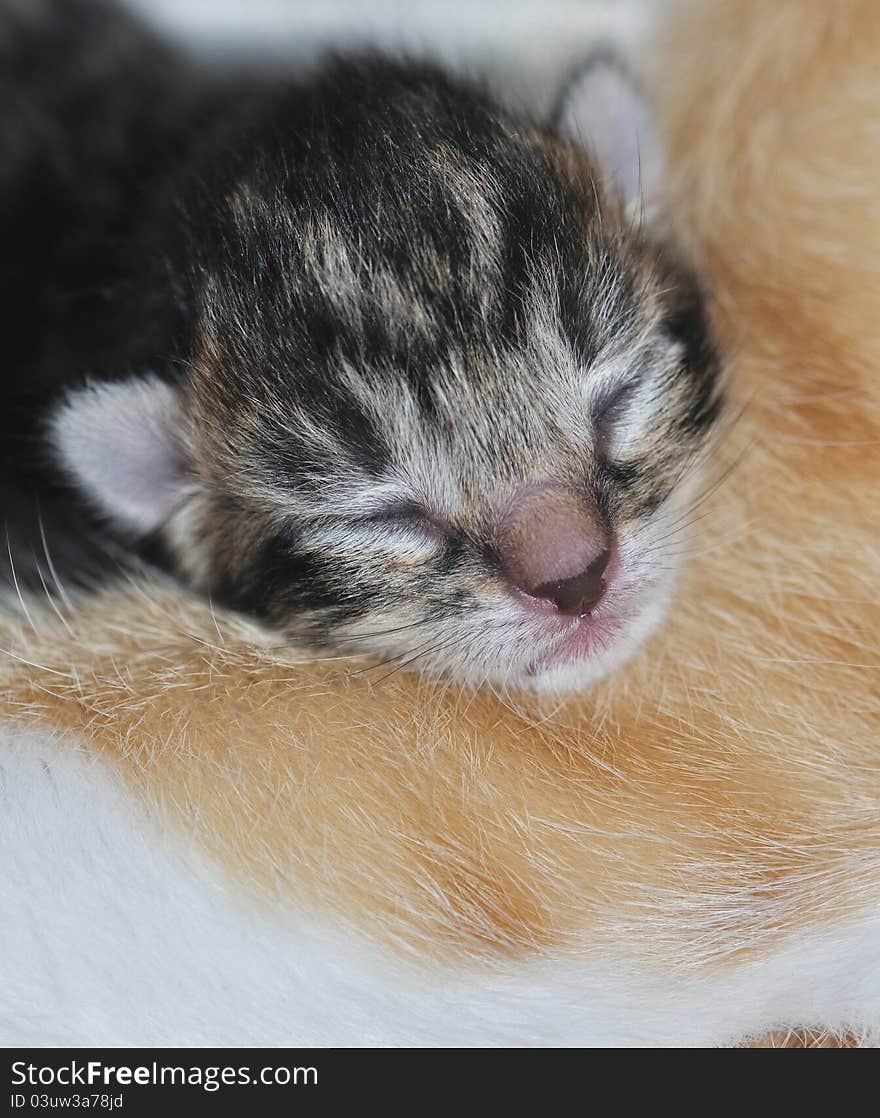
x=607, y=113
x=120, y=444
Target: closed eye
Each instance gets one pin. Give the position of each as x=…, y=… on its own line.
x=611, y=406
x=409, y=514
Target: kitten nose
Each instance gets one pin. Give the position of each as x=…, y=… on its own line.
x=554, y=545
x=580, y=593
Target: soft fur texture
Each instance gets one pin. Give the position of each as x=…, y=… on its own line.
x=338, y=331
x=116, y=934
x=694, y=849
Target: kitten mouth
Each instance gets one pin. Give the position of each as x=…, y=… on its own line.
x=586, y=638
x=595, y=641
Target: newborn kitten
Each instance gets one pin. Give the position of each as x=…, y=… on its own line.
x=368, y=357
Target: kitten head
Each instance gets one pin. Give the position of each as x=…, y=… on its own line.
x=446, y=396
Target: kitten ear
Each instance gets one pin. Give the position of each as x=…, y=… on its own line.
x=120, y=443
x=604, y=109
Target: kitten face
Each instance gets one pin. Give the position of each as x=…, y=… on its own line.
x=445, y=400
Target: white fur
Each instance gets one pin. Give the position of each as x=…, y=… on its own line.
x=116, y=933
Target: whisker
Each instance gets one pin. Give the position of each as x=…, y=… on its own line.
x=701, y=499
x=52, y=571
x=657, y=543
x=50, y=598
x=21, y=600
x=214, y=619
x=384, y=661
x=32, y=664
x=421, y=654
x=388, y=632
x=708, y=450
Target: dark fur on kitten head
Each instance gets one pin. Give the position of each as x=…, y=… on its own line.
x=424, y=387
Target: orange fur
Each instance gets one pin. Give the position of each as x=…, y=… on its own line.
x=722, y=791
x=806, y=1038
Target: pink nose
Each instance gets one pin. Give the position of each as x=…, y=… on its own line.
x=554, y=545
